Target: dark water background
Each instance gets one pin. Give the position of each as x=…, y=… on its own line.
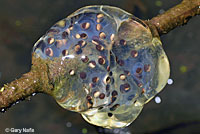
x=22, y=22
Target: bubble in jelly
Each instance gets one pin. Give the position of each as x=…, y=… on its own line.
x=114, y=65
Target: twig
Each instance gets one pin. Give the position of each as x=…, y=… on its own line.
x=34, y=81
x=176, y=16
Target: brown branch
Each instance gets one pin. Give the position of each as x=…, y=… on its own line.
x=176, y=16
x=31, y=82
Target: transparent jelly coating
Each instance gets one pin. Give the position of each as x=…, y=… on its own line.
x=114, y=65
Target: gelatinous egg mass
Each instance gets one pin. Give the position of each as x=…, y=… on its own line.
x=113, y=64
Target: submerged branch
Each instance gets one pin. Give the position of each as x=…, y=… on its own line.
x=34, y=81
x=176, y=16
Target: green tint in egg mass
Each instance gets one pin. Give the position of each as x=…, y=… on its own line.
x=113, y=64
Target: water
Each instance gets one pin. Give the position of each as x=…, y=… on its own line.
x=179, y=101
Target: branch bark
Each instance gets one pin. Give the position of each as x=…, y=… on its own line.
x=176, y=16
x=32, y=82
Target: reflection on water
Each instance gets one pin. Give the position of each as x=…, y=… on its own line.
x=23, y=22
x=157, y=99
x=170, y=81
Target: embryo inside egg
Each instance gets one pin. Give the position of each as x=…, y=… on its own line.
x=114, y=65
